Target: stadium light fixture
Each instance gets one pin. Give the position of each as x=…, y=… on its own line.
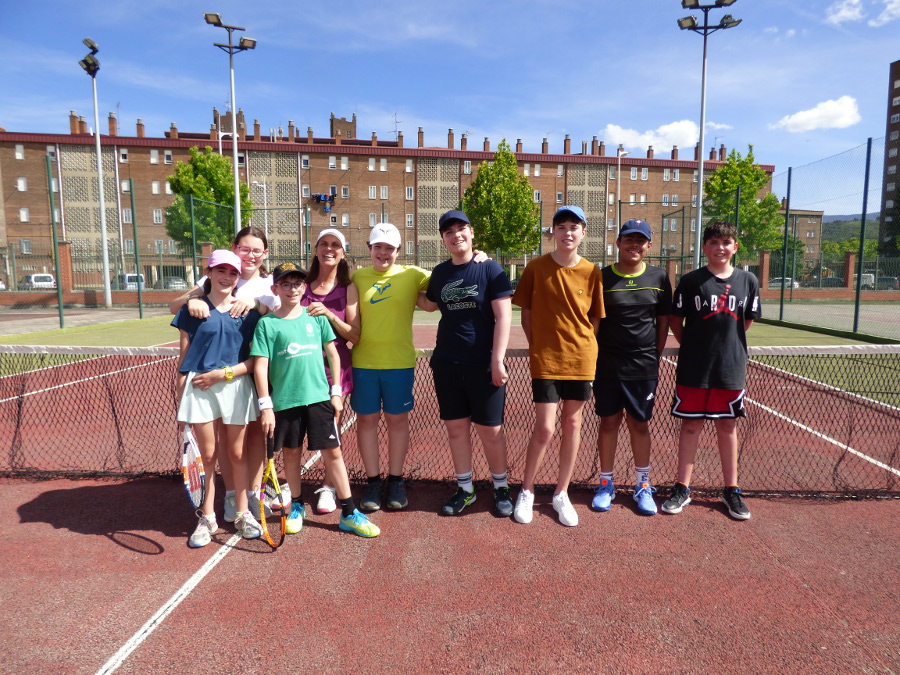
x=244, y=44
x=690, y=23
x=91, y=66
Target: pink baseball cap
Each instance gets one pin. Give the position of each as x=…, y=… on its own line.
x=222, y=256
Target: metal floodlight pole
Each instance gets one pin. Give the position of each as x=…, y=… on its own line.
x=91, y=65
x=690, y=23
x=244, y=44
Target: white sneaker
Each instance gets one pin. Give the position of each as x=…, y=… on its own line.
x=230, y=507
x=253, y=504
x=206, y=525
x=524, y=505
x=567, y=514
x=327, y=499
x=247, y=525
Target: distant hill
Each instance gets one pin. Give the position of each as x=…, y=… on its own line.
x=852, y=216
x=842, y=230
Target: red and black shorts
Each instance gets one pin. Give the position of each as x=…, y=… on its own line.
x=707, y=403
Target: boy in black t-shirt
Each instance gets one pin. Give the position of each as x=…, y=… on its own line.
x=713, y=309
x=631, y=337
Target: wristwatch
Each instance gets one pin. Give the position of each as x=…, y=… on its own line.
x=229, y=373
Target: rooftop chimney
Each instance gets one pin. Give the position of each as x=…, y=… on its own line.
x=487, y=144
x=450, y=139
x=567, y=145
x=650, y=152
x=518, y=145
x=545, y=147
x=73, y=123
x=421, y=137
x=140, y=128
x=113, y=124
x=463, y=141
x=674, y=152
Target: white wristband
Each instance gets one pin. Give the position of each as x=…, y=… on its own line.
x=265, y=403
x=336, y=390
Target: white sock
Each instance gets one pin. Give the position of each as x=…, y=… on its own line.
x=464, y=480
x=642, y=475
x=500, y=480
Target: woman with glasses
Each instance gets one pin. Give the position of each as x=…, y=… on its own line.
x=330, y=293
x=254, y=290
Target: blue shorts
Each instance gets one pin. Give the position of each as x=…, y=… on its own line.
x=390, y=390
x=468, y=391
x=636, y=397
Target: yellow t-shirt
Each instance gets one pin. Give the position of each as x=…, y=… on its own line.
x=387, y=301
x=562, y=300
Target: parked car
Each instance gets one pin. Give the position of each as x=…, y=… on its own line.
x=788, y=283
x=833, y=282
x=2, y=285
x=37, y=281
x=128, y=282
x=172, y=284
x=887, y=284
x=868, y=281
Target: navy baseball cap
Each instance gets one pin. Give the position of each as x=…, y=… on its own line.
x=451, y=217
x=576, y=211
x=636, y=226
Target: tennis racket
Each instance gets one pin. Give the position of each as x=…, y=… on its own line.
x=270, y=484
x=192, y=468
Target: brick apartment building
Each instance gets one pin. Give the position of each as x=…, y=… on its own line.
x=370, y=179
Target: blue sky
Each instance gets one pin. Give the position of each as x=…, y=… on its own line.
x=799, y=80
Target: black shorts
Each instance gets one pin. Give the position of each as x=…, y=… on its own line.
x=551, y=391
x=636, y=397
x=316, y=422
x=468, y=391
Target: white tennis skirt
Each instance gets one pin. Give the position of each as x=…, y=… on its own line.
x=233, y=402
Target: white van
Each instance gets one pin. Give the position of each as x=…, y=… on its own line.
x=37, y=281
x=129, y=282
x=868, y=280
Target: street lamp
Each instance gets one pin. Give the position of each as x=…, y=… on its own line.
x=265, y=189
x=245, y=43
x=91, y=66
x=691, y=23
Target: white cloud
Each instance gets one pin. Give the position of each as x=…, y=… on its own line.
x=844, y=10
x=834, y=114
x=683, y=133
x=890, y=12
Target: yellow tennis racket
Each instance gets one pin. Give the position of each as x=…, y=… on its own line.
x=272, y=486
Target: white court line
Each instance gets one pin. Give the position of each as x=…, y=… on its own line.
x=144, y=631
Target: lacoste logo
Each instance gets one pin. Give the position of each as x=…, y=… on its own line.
x=380, y=290
x=452, y=293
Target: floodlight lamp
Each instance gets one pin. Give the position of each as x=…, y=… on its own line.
x=247, y=43
x=690, y=4
x=90, y=44
x=729, y=21
x=687, y=22
x=622, y=153
x=725, y=3
x=212, y=18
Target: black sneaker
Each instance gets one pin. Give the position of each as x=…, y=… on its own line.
x=731, y=496
x=371, y=499
x=460, y=500
x=396, y=495
x=503, y=505
x=680, y=497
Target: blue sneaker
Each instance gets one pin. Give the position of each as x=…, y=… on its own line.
x=643, y=495
x=295, y=519
x=605, y=493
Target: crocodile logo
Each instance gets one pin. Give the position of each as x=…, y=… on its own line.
x=453, y=293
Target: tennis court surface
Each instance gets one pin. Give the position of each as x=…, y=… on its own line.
x=99, y=577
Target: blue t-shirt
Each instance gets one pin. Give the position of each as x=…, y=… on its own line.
x=464, y=294
x=219, y=340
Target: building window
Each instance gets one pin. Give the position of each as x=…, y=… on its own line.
x=54, y=185
x=889, y=204
x=167, y=156
x=410, y=247
x=895, y=118
x=410, y=194
x=895, y=135
x=21, y=184
x=559, y=197
x=371, y=163
x=332, y=162
x=154, y=156
x=333, y=221
x=675, y=174
x=892, y=152
x=612, y=173
x=694, y=201
x=20, y=151
x=345, y=220
x=345, y=191
x=667, y=175
x=24, y=215
x=25, y=246
x=129, y=246
x=891, y=187
x=537, y=170
x=304, y=161
x=345, y=163
x=674, y=200
x=242, y=161
x=467, y=167
x=560, y=170
x=157, y=216
x=892, y=169
x=611, y=224
x=126, y=185
x=645, y=173
x=695, y=175
x=665, y=201
x=304, y=190
x=643, y=199
x=410, y=220
x=123, y=155
x=373, y=219
x=611, y=199
x=154, y=187
x=665, y=224
x=693, y=229
x=634, y=173
x=896, y=100
x=168, y=188
x=173, y=246
x=673, y=224
x=383, y=164
x=526, y=170
x=126, y=216
x=332, y=190
x=384, y=191
x=632, y=198
x=537, y=195
x=373, y=192
x=609, y=249
x=158, y=246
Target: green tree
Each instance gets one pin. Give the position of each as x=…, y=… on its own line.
x=500, y=204
x=837, y=249
x=206, y=176
x=760, y=224
x=796, y=249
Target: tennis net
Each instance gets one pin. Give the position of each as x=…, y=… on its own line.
x=820, y=421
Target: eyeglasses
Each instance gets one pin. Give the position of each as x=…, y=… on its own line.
x=256, y=252
x=290, y=285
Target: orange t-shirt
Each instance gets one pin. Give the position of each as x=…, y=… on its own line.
x=562, y=300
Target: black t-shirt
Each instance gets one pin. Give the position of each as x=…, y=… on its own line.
x=627, y=335
x=713, y=350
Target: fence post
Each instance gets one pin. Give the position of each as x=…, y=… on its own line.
x=59, y=293
x=787, y=220
x=137, y=254
x=862, y=238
